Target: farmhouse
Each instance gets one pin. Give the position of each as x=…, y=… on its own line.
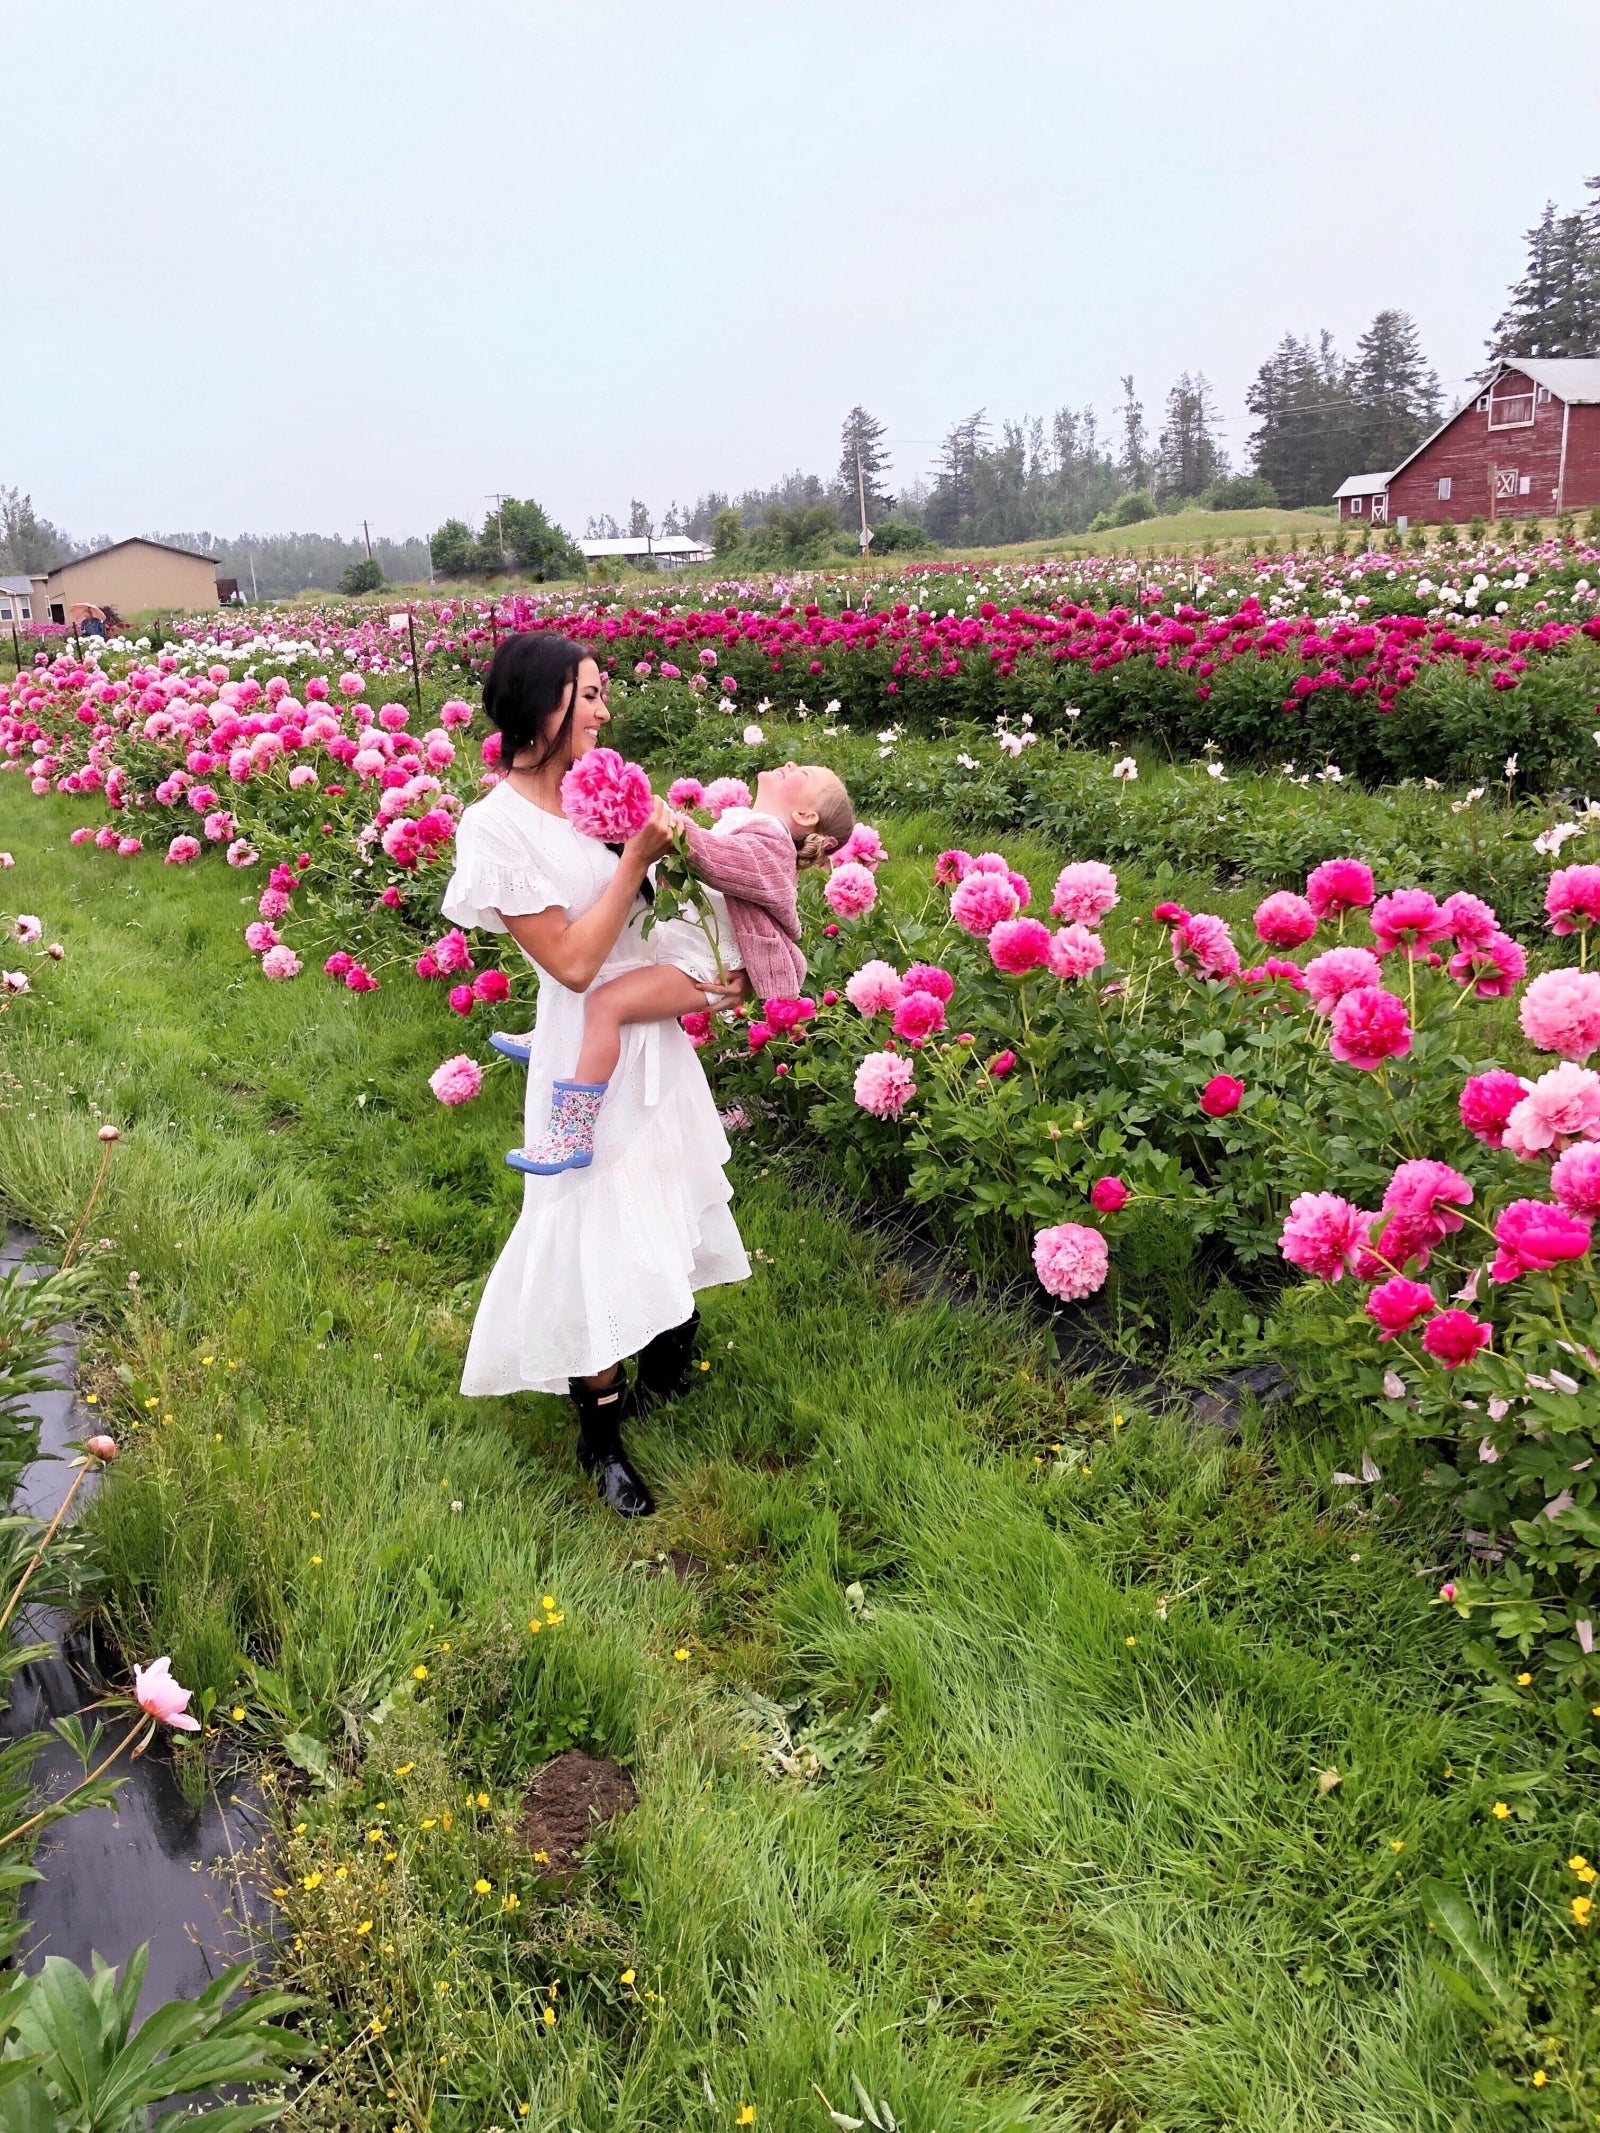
x=129, y=578
x=670, y=550
x=1527, y=445
x=16, y=600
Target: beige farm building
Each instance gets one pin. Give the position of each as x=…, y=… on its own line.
x=129, y=578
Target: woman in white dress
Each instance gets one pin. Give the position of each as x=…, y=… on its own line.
x=604, y=1263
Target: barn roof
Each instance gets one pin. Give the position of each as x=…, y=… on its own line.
x=668, y=544
x=1362, y=485
x=19, y=586
x=1575, y=379
x=134, y=540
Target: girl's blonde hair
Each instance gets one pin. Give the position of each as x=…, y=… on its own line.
x=836, y=818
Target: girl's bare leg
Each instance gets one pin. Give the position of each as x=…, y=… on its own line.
x=660, y=994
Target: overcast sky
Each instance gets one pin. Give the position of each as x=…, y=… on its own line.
x=286, y=268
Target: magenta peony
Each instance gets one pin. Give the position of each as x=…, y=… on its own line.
x=1471, y=921
x=918, y=1016
x=1221, y=1096
x=280, y=962
x=1339, y=885
x=1427, y=1193
x=182, y=850
x=360, y=979
x=1340, y=970
x=1561, y=1106
x=1455, y=1337
x=606, y=798
x=1575, y=1179
x=686, y=792
x=491, y=985
x=339, y=963
x=457, y=1081
x=1075, y=951
x=1572, y=898
x=786, y=1013
x=1285, y=920
x=863, y=847
x=462, y=998
x=1396, y=1305
x=850, y=890
x=259, y=936
x=1409, y=920
x=1323, y=1234
x=981, y=901
x=696, y=1027
x=1071, y=1260
x=758, y=1035
x=1002, y=1064
x=884, y=1084
x=1533, y=1236
x=452, y=954
x=928, y=977
x=1494, y=968
x=1367, y=1027
x=1018, y=945
x=1561, y=1012
x=1084, y=893
x=874, y=989
x=951, y=867
x=1487, y=1102
x=1109, y=1195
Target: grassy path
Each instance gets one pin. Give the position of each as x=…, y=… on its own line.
x=1063, y=1860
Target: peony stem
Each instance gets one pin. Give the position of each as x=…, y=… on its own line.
x=94, y=1194
x=56, y=1807
x=38, y=1554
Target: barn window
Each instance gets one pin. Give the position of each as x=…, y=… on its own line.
x=1444, y=488
x=26, y=611
x=1510, y=410
x=1544, y=394
x=1525, y=484
x=1355, y=507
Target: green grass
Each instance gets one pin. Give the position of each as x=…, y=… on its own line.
x=1168, y=530
x=1065, y=1880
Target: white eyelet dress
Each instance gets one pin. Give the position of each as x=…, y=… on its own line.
x=603, y=1259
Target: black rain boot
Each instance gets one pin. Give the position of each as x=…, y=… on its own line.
x=664, y=1371
x=601, y=1409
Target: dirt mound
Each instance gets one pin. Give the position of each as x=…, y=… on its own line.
x=570, y=1797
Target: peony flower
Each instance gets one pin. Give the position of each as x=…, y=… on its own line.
x=1275, y=971
x=102, y=1448
x=919, y=1016
x=259, y=936
x=850, y=890
x=606, y=798
x=884, y=1084
x=182, y=850
x=952, y=867
x=786, y=1013
x=81, y=836
x=1075, y=951
x=1221, y=1096
x=1084, y=893
x=1561, y=1012
x=1323, y=1234
x=339, y=963
x=1496, y=967
x=981, y=901
x=452, y=954
x=1455, y=1337
x=1002, y=1064
x=491, y=985
x=1471, y=921
x=696, y=1027
x=1109, y=1195
x=1071, y=1260
x=360, y=979
x=462, y=998
x=457, y=1081
x=1018, y=945
x=1367, y=1027
x=129, y=847
x=1285, y=920
x=928, y=977
x=160, y=1697
x=1338, y=886
x=1487, y=1102
x=686, y=792
x=874, y=989
x=1340, y=970
x=1409, y=919
x=280, y=962
x=1561, y=1106
x=863, y=847
x=758, y=1035
x=301, y=776
x=1572, y=898
x=1425, y=1193
x=723, y=793
x=1209, y=941
x=1395, y=1305
x=1575, y=1179
x=1533, y=1236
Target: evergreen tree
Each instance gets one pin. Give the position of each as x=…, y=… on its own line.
x=862, y=438
x=1188, y=456
x=1397, y=393
x=1135, y=466
x=28, y=542
x=1555, y=307
x=952, y=507
x=1308, y=437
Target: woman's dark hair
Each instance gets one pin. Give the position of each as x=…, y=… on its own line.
x=527, y=679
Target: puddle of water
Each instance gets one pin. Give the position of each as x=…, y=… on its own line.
x=150, y=1869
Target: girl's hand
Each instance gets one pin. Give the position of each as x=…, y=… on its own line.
x=647, y=845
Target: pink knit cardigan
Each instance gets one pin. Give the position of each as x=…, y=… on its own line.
x=754, y=868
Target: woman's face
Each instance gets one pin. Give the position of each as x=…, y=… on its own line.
x=589, y=716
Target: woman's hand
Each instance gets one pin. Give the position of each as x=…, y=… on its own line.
x=729, y=990
x=647, y=845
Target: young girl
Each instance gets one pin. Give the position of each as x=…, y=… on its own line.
x=748, y=866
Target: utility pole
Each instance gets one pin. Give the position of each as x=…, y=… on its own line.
x=367, y=537
x=499, y=521
x=431, y=580
x=255, y=597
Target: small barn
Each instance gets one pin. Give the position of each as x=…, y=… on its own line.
x=1364, y=496
x=130, y=578
x=1526, y=445
x=669, y=551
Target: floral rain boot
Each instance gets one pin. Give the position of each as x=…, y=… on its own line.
x=567, y=1143
x=513, y=1047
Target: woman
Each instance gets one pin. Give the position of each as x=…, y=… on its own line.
x=603, y=1263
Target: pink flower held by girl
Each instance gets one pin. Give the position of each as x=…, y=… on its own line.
x=457, y=1081
x=606, y=798
x=1285, y=920
x=1562, y=1106
x=850, y=890
x=1396, y=1305
x=1109, y=1195
x=1409, y=919
x=280, y=962
x=1071, y=1260
x=1487, y=1102
x=928, y=977
x=162, y=1698
x=884, y=1084
x=1561, y=1012
x=1084, y=893
x=981, y=901
x=1367, y=1027
x=1533, y=1236
x=874, y=989
x=1455, y=1338
x=1339, y=885
x=1323, y=1234
x=1572, y=898
x=1075, y=951
x=1575, y=1180
x=1018, y=945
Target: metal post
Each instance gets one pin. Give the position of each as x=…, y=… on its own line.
x=416, y=676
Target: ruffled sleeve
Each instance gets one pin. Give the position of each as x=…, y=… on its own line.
x=496, y=871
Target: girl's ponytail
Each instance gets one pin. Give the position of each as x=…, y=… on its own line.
x=814, y=851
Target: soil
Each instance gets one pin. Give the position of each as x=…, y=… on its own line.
x=570, y=1797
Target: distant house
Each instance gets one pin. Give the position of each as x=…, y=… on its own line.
x=1526, y=445
x=671, y=550
x=129, y=578
x=1364, y=496
x=16, y=601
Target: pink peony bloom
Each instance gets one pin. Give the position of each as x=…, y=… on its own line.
x=1471, y=921
x=273, y=903
x=1496, y=967
x=1084, y=893
x=1575, y=1179
x=697, y=1027
x=850, y=890
x=1408, y=919
x=1561, y=1012
x=1367, y=1027
x=1339, y=885
x=1487, y=1102
x=301, y=776
x=928, y=977
x=981, y=901
x=280, y=962
x=106, y=839
x=1533, y=1236
x=919, y=1016
x=1076, y=951
x=1561, y=1106
x=1285, y=920
x=102, y=1448
x=453, y=713
x=1109, y=1195
x=1426, y=1193
x=1396, y=1305
x=81, y=836
x=339, y=963
x=1169, y=914
x=1275, y=971
x=1018, y=945
x=452, y=954
x=758, y=1035
x=1323, y=1234
x=1221, y=1096
x=462, y=998
x=686, y=792
x=863, y=847
x=723, y=793
x=1572, y=898
x=1002, y=1064
x=605, y=798
x=1455, y=1338
x=259, y=936
x=160, y=1697
x=457, y=1081
x=874, y=989
x=1071, y=1260
x=1208, y=940
x=182, y=850
x=360, y=979
x=884, y=1084
x=989, y=863
x=491, y=985
x=952, y=867
x=129, y=847
x=785, y=1013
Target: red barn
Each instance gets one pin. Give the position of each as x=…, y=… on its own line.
x=1527, y=445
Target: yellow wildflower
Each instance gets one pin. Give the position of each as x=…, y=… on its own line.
x=238, y=1712
x=549, y=2018
x=1500, y=1810
x=483, y=1799
x=1582, y=1910
x=445, y=1821
x=549, y=1600
x=1540, y=2078
x=405, y=1770
x=511, y=1901
x=365, y=1926
x=1397, y=1844
x=419, y=1673
x=682, y=1652
x=541, y=1858
x=747, y=2115
x=430, y=1821
x=480, y=1887
x=316, y=1562
x=628, y=1977
x=1577, y=1862
x=1523, y=1680
x=311, y=1881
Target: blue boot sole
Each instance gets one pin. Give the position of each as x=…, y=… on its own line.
x=519, y=1161
x=518, y=1048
